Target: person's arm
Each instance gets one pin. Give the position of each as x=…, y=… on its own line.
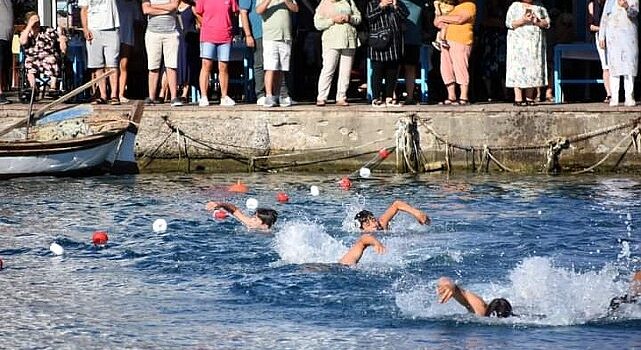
x=446, y=289
x=62, y=39
x=355, y=253
x=544, y=21
x=84, y=10
x=355, y=17
x=247, y=28
x=233, y=210
x=262, y=6
x=291, y=5
x=397, y=206
x=322, y=23
x=154, y=10
x=635, y=285
x=24, y=36
x=463, y=15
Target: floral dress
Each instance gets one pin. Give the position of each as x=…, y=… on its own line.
x=526, y=66
x=619, y=30
x=42, y=53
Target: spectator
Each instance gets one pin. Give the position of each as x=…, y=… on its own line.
x=493, y=38
x=215, y=44
x=442, y=8
x=161, y=42
x=595, y=9
x=413, y=41
x=129, y=13
x=336, y=18
x=526, y=47
x=6, y=35
x=307, y=53
x=455, y=59
x=188, y=48
x=618, y=36
x=277, y=43
x=385, y=18
x=253, y=29
x=43, y=48
x=100, y=24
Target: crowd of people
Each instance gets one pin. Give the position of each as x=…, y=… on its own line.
x=186, y=42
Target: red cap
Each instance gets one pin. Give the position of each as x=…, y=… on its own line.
x=345, y=183
x=282, y=197
x=100, y=238
x=220, y=214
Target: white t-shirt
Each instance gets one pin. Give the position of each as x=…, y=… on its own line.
x=101, y=14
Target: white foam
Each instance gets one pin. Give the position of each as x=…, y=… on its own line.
x=540, y=293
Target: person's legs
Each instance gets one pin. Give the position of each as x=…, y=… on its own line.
x=460, y=55
x=153, y=44
x=344, y=73
x=111, y=42
x=447, y=73
x=272, y=66
x=518, y=95
x=207, y=54
x=628, y=84
x=259, y=73
x=224, y=55
x=330, y=61
x=5, y=62
x=615, y=82
x=284, y=57
x=391, y=78
x=170, y=44
x=377, y=79
x=125, y=53
x=606, y=84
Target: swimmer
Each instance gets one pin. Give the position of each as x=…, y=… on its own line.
x=367, y=222
x=446, y=289
x=264, y=218
x=355, y=253
x=633, y=295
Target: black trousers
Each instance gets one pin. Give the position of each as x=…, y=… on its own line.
x=387, y=71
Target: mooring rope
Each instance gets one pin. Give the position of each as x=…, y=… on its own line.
x=633, y=135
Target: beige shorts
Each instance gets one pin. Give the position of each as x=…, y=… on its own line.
x=159, y=46
x=104, y=49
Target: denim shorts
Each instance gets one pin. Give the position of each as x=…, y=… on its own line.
x=215, y=52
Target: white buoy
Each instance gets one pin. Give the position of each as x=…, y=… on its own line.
x=56, y=248
x=251, y=203
x=314, y=191
x=365, y=172
x=160, y=226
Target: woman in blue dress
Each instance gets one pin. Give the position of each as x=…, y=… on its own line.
x=188, y=49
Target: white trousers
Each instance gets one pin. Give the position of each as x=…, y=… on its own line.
x=628, y=85
x=331, y=59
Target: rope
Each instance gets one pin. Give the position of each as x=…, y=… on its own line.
x=633, y=134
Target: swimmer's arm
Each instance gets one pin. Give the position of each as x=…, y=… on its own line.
x=635, y=286
x=355, y=253
x=447, y=289
x=397, y=206
x=233, y=210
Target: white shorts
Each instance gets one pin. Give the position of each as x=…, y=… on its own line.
x=104, y=49
x=276, y=54
x=159, y=46
x=602, y=56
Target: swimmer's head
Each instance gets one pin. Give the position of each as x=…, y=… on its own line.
x=267, y=217
x=499, y=307
x=366, y=220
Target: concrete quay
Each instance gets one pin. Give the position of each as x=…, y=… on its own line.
x=493, y=137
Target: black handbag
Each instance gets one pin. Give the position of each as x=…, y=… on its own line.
x=380, y=39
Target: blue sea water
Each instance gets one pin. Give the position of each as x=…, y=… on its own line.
x=559, y=248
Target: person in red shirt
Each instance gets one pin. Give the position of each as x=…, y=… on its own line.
x=216, y=37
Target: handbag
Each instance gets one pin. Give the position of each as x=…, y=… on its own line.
x=380, y=39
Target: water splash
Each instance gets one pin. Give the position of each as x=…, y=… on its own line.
x=540, y=293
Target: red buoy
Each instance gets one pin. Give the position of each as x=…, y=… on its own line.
x=100, y=238
x=238, y=187
x=220, y=214
x=282, y=197
x=345, y=183
x=384, y=153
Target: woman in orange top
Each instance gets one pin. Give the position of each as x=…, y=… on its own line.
x=454, y=60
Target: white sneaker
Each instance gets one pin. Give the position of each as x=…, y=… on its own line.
x=613, y=103
x=285, y=101
x=260, y=101
x=270, y=101
x=227, y=101
x=203, y=102
x=630, y=102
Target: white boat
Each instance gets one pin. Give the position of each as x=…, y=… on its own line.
x=74, y=142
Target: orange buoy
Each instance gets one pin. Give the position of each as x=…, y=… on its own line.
x=282, y=197
x=238, y=187
x=345, y=183
x=384, y=153
x=99, y=238
x=220, y=214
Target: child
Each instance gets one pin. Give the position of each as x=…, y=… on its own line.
x=264, y=218
x=443, y=8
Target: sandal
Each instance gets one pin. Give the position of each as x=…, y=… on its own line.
x=98, y=101
x=607, y=99
x=463, y=102
x=449, y=102
x=342, y=103
x=390, y=102
x=320, y=103
x=378, y=103
x=520, y=103
x=114, y=101
x=530, y=102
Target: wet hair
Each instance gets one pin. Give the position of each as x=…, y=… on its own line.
x=616, y=302
x=267, y=216
x=364, y=216
x=499, y=307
